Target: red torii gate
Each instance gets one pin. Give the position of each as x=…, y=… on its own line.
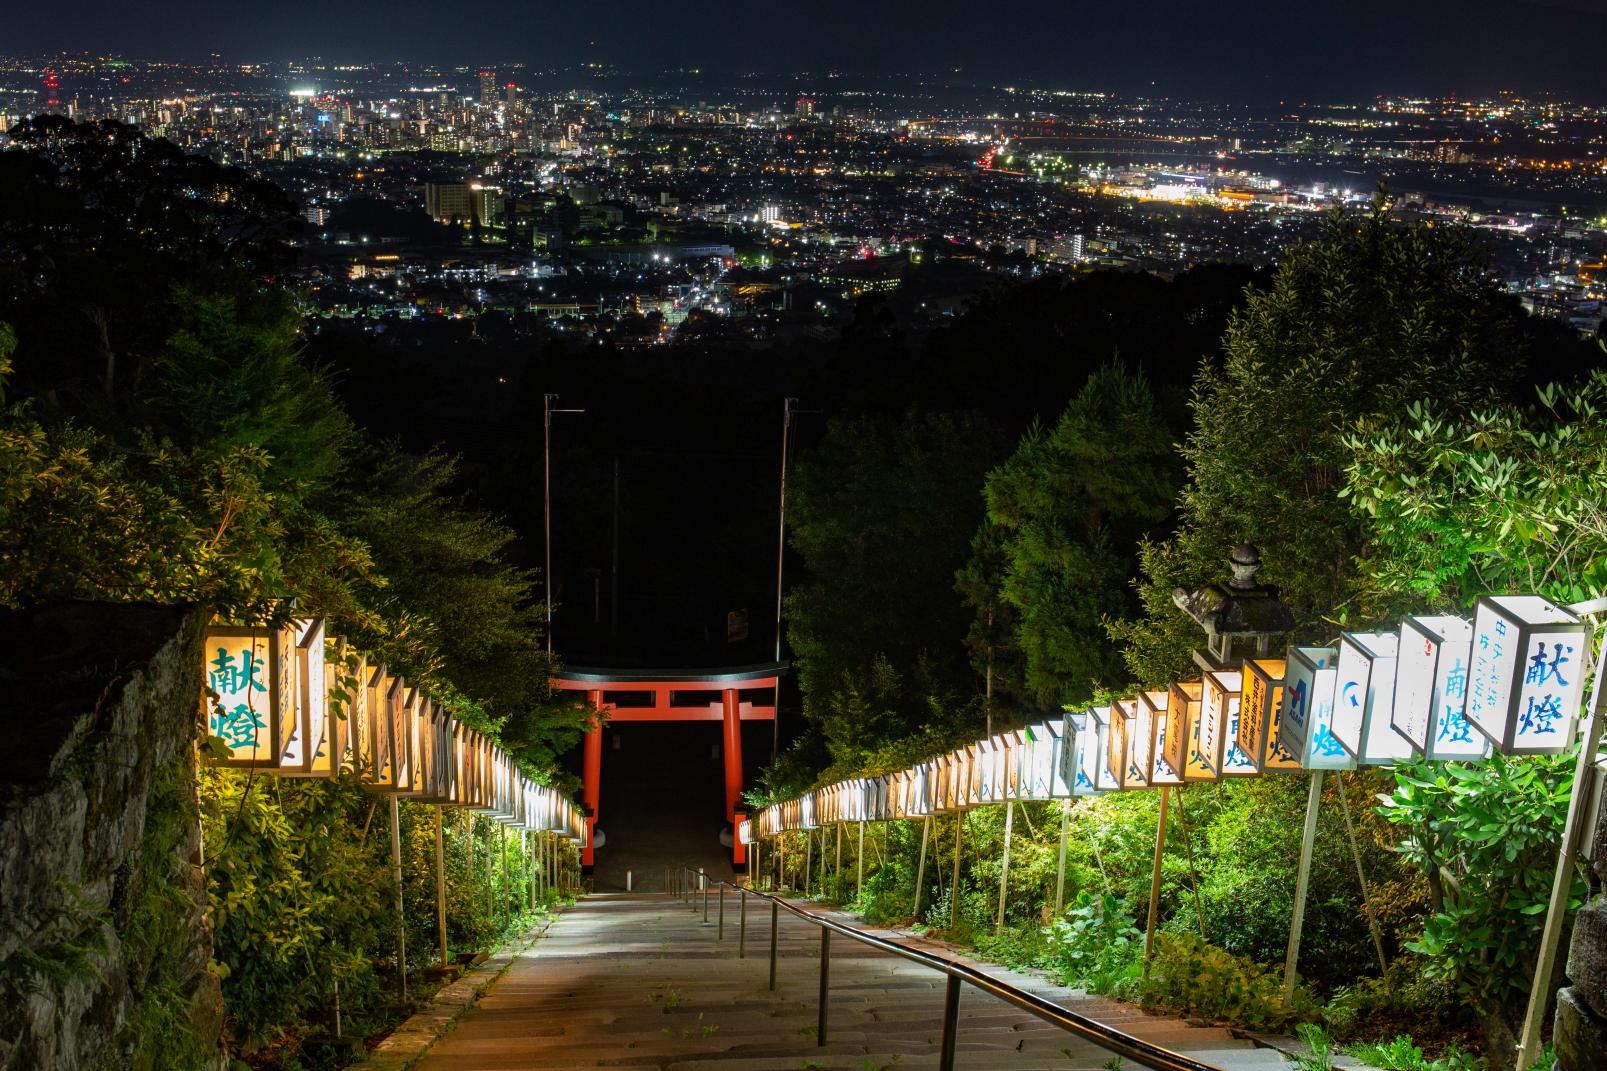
x=672, y=695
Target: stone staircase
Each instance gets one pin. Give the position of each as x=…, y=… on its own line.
x=643, y=982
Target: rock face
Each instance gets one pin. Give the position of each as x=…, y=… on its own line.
x=1580, y=1031
x=103, y=939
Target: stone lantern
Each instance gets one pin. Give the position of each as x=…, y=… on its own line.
x=1241, y=618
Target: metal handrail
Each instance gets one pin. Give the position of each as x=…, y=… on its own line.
x=1137, y=1049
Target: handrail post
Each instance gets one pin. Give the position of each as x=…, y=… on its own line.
x=825, y=975
x=951, y=1023
x=742, y=925
x=775, y=913
x=721, y=935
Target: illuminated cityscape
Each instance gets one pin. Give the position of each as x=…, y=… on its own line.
x=772, y=204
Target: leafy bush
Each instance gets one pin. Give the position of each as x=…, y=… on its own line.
x=1189, y=976
x=1096, y=944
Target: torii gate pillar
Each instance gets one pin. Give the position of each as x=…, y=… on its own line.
x=731, y=716
x=592, y=774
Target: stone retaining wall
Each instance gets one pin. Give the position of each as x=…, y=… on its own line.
x=104, y=945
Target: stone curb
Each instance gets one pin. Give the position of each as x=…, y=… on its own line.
x=408, y=1043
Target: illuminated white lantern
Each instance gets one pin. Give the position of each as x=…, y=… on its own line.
x=1059, y=787
x=1154, y=704
x=1082, y=739
x=1364, y=698
x=1306, y=717
x=1526, y=673
x=253, y=672
x=1223, y=703
x=1106, y=779
x=1037, y=777
x=1431, y=674
x=882, y=787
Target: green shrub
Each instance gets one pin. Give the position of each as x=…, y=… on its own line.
x=1096, y=944
x=1189, y=976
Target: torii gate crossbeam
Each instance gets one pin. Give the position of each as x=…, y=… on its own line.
x=644, y=695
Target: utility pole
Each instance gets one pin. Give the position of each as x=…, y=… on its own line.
x=781, y=553
x=613, y=583
x=546, y=501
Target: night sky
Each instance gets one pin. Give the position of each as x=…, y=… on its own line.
x=1257, y=50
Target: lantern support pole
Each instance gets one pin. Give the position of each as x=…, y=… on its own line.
x=859, y=860
x=837, y=869
x=1567, y=852
x=1188, y=851
x=809, y=857
x=1361, y=876
x=1060, y=869
x=781, y=860
x=1004, y=870
x=440, y=883
x=1154, y=879
x=396, y=875
x=1308, y=839
x=954, y=895
x=920, y=869
x=507, y=881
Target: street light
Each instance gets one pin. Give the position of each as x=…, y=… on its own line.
x=546, y=501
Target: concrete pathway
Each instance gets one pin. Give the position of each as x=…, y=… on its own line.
x=644, y=982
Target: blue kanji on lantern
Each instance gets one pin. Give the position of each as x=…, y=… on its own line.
x=1540, y=671
x=1541, y=717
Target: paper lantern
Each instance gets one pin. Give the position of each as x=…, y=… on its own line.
x=1431, y=673
x=1527, y=670
x=300, y=758
x=1085, y=746
x=1155, y=704
x=882, y=787
x=341, y=694
x=1305, y=724
x=374, y=753
x=1015, y=746
x=1037, y=776
x=1364, y=698
x=970, y=774
x=1261, y=716
x=253, y=671
x=1119, y=739
x=1059, y=787
x=1181, y=745
x=1222, y=704
x=1106, y=779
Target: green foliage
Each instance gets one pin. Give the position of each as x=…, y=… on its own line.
x=1506, y=498
x=1401, y=1055
x=301, y=896
x=1484, y=836
x=1319, y=1054
x=1072, y=504
x=881, y=513
x=1096, y=944
x=1372, y=317
x=1189, y=976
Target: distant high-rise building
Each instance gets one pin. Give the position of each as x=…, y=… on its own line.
x=447, y=202
x=804, y=106
x=488, y=88
x=511, y=94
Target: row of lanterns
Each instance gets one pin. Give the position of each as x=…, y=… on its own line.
x=293, y=701
x=1439, y=687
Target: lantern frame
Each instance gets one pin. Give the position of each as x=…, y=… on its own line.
x=1431, y=688
x=1155, y=703
x=277, y=646
x=1502, y=671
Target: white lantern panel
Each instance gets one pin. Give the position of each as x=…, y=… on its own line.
x=1526, y=674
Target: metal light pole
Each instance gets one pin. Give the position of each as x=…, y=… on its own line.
x=546, y=501
x=781, y=554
